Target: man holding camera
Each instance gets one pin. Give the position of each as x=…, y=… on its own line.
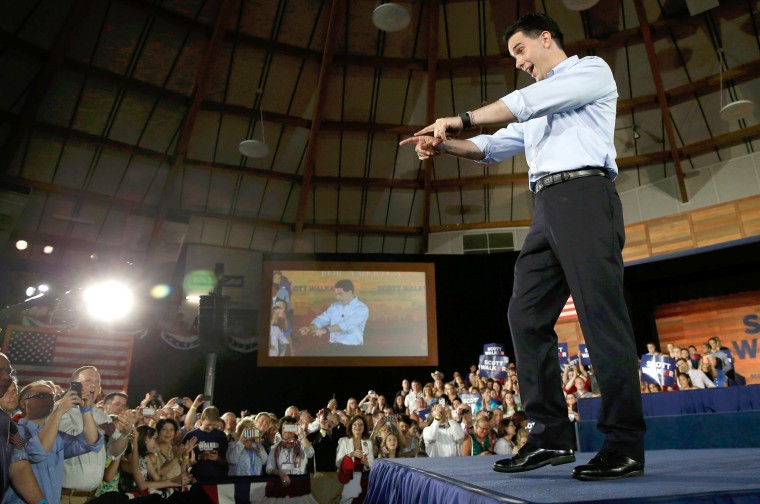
x=46, y=446
x=82, y=475
x=443, y=435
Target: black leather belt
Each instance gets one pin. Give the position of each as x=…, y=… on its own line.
x=558, y=178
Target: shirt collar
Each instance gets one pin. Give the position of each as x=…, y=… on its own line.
x=563, y=65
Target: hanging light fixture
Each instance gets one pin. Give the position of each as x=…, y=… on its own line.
x=737, y=108
x=256, y=148
x=390, y=17
x=579, y=5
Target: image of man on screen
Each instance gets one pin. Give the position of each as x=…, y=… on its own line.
x=344, y=320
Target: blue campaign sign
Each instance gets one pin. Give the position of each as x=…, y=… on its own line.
x=474, y=401
x=583, y=353
x=493, y=366
x=658, y=369
x=493, y=349
x=562, y=354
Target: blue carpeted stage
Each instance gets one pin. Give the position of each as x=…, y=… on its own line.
x=672, y=476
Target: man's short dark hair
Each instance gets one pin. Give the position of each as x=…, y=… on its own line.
x=346, y=285
x=533, y=24
x=108, y=399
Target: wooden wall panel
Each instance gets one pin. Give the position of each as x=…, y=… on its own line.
x=716, y=224
x=749, y=215
x=671, y=234
x=636, y=242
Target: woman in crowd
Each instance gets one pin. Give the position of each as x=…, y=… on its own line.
x=684, y=382
x=352, y=407
x=478, y=442
x=142, y=462
x=356, y=449
x=390, y=447
x=509, y=405
x=572, y=407
x=507, y=435
x=653, y=388
x=9, y=402
x=170, y=452
x=707, y=366
x=428, y=396
x=246, y=454
x=290, y=455
x=568, y=379
x=520, y=439
x=450, y=392
x=369, y=403
x=398, y=405
x=279, y=344
x=408, y=437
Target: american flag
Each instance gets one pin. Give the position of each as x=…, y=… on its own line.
x=568, y=311
x=39, y=353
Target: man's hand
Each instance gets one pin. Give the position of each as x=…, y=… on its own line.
x=443, y=129
x=68, y=401
x=320, y=332
x=125, y=421
x=424, y=146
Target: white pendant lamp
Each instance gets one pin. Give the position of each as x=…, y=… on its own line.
x=737, y=108
x=391, y=17
x=255, y=148
x=579, y=5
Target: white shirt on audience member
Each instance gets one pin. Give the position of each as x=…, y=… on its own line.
x=84, y=472
x=443, y=441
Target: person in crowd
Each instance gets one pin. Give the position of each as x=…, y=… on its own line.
x=459, y=383
x=450, y=392
x=479, y=441
x=652, y=349
x=83, y=474
x=45, y=445
x=343, y=321
x=398, y=405
x=142, y=462
x=352, y=407
x=325, y=442
x=569, y=375
x=509, y=405
x=172, y=457
x=421, y=411
x=723, y=354
x=290, y=455
x=210, y=449
x=410, y=401
x=507, y=434
x=572, y=407
x=521, y=438
x=443, y=435
x=390, y=446
x=653, y=388
x=356, y=449
x=685, y=356
x=246, y=455
x=708, y=367
x=410, y=442
x=9, y=401
x=14, y=466
x=697, y=377
x=464, y=413
x=230, y=424
x=368, y=404
x=581, y=388
x=115, y=403
x=428, y=396
x=405, y=387
x=438, y=386
x=279, y=343
x=684, y=382
x=694, y=356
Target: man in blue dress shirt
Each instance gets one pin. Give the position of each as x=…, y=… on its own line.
x=564, y=124
x=344, y=320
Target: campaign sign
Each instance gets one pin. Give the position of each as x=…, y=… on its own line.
x=562, y=354
x=493, y=366
x=474, y=401
x=658, y=369
x=493, y=349
x=583, y=353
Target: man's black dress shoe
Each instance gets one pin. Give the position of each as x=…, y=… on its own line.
x=607, y=465
x=529, y=457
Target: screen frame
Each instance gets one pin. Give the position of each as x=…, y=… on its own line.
x=272, y=265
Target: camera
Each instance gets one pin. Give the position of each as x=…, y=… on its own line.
x=247, y=432
x=390, y=419
x=256, y=433
x=149, y=411
x=442, y=401
x=290, y=428
x=372, y=393
x=76, y=387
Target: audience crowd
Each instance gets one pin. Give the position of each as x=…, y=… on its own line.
x=77, y=446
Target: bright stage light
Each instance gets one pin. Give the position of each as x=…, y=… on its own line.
x=43, y=288
x=48, y=249
x=22, y=245
x=160, y=291
x=108, y=301
x=30, y=291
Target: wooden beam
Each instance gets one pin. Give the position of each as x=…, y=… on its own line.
x=337, y=14
x=664, y=108
x=364, y=228
x=39, y=88
x=480, y=225
x=430, y=113
x=202, y=82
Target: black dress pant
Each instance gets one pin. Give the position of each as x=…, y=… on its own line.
x=575, y=246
